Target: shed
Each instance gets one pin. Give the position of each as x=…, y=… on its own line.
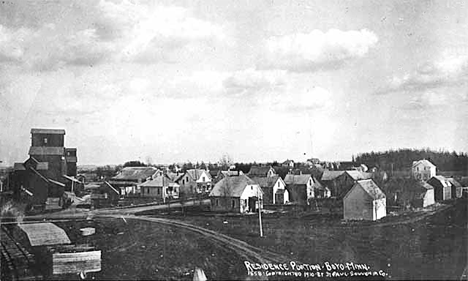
x=456, y=188
x=442, y=188
x=365, y=201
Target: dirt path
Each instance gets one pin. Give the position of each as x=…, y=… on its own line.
x=242, y=248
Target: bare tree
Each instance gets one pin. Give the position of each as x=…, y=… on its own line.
x=226, y=161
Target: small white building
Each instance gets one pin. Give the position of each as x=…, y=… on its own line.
x=423, y=170
x=365, y=201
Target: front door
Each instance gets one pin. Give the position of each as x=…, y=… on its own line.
x=252, y=204
x=279, y=198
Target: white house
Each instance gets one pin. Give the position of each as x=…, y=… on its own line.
x=196, y=180
x=365, y=201
x=162, y=187
x=274, y=189
x=423, y=170
x=236, y=193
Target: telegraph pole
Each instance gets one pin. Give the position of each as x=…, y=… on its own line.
x=260, y=213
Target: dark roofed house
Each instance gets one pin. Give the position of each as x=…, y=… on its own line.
x=365, y=201
x=340, y=182
x=300, y=188
x=274, y=189
x=129, y=178
x=236, y=194
x=261, y=171
x=288, y=163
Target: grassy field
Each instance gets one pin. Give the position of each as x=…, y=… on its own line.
x=411, y=246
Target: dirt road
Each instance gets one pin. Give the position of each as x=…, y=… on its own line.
x=250, y=252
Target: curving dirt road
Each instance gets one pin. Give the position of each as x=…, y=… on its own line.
x=250, y=252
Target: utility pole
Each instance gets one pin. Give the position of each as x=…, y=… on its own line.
x=260, y=213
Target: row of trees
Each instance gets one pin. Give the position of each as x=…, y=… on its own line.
x=402, y=159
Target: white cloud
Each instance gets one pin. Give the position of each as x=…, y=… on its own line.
x=448, y=71
x=11, y=42
x=307, y=52
x=124, y=31
x=149, y=32
x=251, y=81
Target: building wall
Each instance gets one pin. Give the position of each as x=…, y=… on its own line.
x=51, y=140
x=380, y=208
x=428, y=198
x=225, y=204
x=358, y=205
x=279, y=184
x=422, y=172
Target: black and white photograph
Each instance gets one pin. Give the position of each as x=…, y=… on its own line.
x=234, y=140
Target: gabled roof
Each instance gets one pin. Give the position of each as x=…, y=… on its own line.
x=357, y=175
x=454, y=182
x=196, y=173
x=423, y=162
x=159, y=181
x=232, y=186
x=46, y=150
x=288, y=161
x=135, y=173
x=48, y=131
x=370, y=187
x=260, y=171
x=331, y=175
x=19, y=167
x=266, y=182
x=297, y=179
x=441, y=179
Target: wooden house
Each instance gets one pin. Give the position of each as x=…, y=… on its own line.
x=195, y=181
x=300, y=188
x=238, y=194
x=442, y=188
x=261, y=171
x=129, y=179
x=423, y=170
x=274, y=189
x=365, y=201
x=162, y=188
x=288, y=163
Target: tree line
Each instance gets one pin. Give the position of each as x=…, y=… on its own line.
x=402, y=159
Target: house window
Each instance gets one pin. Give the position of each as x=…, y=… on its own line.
x=183, y=181
x=203, y=179
x=45, y=140
x=217, y=202
x=159, y=191
x=278, y=184
x=233, y=203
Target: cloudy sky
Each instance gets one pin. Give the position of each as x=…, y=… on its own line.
x=174, y=81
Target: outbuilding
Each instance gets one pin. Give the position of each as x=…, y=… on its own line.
x=442, y=188
x=365, y=201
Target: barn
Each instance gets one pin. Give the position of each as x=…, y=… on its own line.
x=365, y=201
